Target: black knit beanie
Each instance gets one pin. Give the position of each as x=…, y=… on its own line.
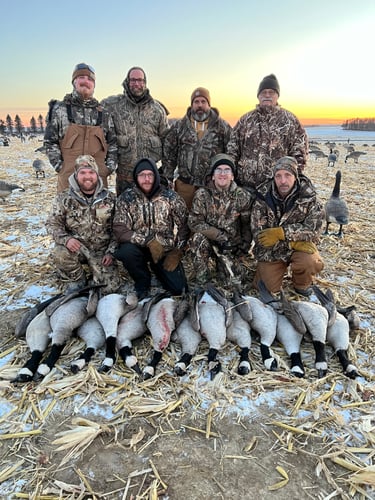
x=269, y=82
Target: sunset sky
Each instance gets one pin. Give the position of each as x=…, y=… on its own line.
x=322, y=53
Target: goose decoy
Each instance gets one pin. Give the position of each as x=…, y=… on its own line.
x=336, y=209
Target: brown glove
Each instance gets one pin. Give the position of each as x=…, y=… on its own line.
x=269, y=237
x=156, y=249
x=172, y=259
x=303, y=246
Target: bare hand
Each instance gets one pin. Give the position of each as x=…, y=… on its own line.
x=73, y=245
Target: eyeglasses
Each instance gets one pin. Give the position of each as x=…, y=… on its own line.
x=136, y=80
x=84, y=66
x=225, y=171
x=150, y=176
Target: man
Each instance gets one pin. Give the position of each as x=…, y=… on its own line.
x=192, y=142
x=264, y=135
x=140, y=123
x=286, y=221
x=220, y=222
x=80, y=222
x=150, y=225
x=76, y=126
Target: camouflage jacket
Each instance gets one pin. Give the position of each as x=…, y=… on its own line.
x=191, y=156
x=261, y=137
x=228, y=211
x=83, y=113
x=140, y=128
x=89, y=220
x=301, y=216
x=138, y=219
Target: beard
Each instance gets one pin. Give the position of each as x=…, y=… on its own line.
x=200, y=116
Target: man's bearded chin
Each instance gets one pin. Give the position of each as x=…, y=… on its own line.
x=201, y=117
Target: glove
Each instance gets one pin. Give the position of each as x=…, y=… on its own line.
x=303, y=246
x=156, y=249
x=172, y=259
x=268, y=237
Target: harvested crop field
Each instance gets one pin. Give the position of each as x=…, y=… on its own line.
x=115, y=436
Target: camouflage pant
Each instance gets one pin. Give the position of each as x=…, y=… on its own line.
x=229, y=269
x=72, y=267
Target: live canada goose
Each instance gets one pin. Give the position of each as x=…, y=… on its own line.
x=6, y=189
x=354, y=155
x=336, y=209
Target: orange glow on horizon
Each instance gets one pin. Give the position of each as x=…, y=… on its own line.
x=315, y=117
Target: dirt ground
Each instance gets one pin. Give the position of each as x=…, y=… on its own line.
x=265, y=435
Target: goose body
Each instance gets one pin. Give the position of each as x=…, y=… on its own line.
x=6, y=189
x=262, y=318
x=92, y=333
x=336, y=209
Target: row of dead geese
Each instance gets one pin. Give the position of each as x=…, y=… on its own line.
x=116, y=320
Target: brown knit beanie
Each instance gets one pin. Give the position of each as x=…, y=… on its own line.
x=83, y=69
x=269, y=82
x=288, y=163
x=201, y=92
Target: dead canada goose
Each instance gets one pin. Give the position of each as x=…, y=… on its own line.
x=336, y=209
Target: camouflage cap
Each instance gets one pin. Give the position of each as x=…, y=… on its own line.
x=86, y=161
x=201, y=92
x=288, y=163
x=82, y=69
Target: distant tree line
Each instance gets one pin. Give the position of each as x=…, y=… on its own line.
x=359, y=124
x=12, y=127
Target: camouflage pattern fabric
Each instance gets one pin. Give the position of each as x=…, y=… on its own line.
x=83, y=113
x=301, y=216
x=138, y=219
x=140, y=129
x=191, y=156
x=220, y=217
x=260, y=138
x=88, y=220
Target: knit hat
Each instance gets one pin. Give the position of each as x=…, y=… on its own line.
x=86, y=161
x=201, y=92
x=288, y=163
x=222, y=159
x=269, y=82
x=144, y=164
x=83, y=69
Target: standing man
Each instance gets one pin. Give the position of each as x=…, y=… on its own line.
x=150, y=225
x=286, y=222
x=76, y=126
x=220, y=219
x=264, y=135
x=80, y=223
x=192, y=142
x=140, y=123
